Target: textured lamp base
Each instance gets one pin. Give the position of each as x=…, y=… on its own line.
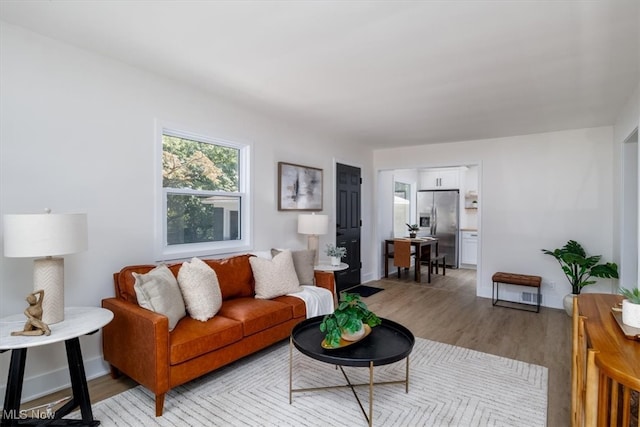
x=48, y=274
x=312, y=245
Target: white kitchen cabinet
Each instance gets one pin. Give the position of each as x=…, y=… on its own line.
x=469, y=247
x=440, y=179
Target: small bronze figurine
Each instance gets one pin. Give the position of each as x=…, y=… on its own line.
x=34, y=325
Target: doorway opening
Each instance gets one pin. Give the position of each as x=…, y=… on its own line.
x=396, y=209
x=629, y=273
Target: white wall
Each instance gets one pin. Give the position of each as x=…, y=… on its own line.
x=538, y=191
x=384, y=210
x=77, y=135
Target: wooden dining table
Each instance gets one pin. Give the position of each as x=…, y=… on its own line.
x=423, y=247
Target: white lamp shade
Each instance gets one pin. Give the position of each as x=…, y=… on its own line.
x=313, y=224
x=41, y=235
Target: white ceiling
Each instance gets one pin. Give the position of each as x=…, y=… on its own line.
x=388, y=73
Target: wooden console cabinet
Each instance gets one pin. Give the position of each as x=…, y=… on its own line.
x=605, y=372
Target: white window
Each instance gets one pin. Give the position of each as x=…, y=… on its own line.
x=205, y=199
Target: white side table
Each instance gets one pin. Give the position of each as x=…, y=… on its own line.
x=77, y=321
x=326, y=266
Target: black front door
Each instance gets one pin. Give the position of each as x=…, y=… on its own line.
x=348, y=223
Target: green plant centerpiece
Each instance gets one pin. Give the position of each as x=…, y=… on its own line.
x=413, y=230
x=348, y=318
x=579, y=268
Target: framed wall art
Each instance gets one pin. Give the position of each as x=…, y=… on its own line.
x=299, y=188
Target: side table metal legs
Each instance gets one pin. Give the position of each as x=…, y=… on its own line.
x=11, y=408
x=11, y=412
x=78, y=385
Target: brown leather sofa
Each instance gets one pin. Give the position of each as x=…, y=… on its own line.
x=138, y=343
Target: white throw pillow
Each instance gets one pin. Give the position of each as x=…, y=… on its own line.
x=200, y=289
x=158, y=291
x=303, y=262
x=275, y=277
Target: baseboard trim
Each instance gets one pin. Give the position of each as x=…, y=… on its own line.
x=56, y=380
x=368, y=278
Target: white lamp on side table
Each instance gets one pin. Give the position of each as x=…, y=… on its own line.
x=313, y=225
x=46, y=235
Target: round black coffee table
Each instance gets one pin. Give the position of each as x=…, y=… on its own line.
x=387, y=343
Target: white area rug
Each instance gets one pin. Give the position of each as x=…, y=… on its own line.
x=449, y=386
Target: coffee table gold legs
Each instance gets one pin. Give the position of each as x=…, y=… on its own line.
x=407, y=378
x=368, y=416
x=290, y=370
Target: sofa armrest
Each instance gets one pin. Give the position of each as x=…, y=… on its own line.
x=136, y=342
x=326, y=279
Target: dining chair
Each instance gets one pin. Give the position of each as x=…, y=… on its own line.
x=402, y=255
x=433, y=262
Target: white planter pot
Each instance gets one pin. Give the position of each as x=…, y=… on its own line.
x=355, y=336
x=567, y=303
x=630, y=314
x=335, y=260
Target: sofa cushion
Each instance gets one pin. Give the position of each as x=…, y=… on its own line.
x=200, y=289
x=192, y=338
x=303, y=262
x=298, y=306
x=275, y=277
x=158, y=291
x=255, y=314
x=234, y=275
x=125, y=281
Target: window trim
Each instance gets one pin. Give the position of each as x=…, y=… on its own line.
x=165, y=252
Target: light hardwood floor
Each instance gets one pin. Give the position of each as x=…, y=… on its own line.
x=448, y=311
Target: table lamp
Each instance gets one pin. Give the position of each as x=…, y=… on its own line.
x=313, y=225
x=46, y=235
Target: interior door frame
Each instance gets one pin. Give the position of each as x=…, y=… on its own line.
x=630, y=206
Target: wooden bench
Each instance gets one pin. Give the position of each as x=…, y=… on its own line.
x=519, y=280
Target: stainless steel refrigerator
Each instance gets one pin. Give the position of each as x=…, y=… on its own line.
x=439, y=216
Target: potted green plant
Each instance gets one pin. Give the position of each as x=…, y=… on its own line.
x=336, y=253
x=347, y=321
x=631, y=307
x=413, y=230
x=580, y=268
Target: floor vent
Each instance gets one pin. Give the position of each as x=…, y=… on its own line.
x=530, y=297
